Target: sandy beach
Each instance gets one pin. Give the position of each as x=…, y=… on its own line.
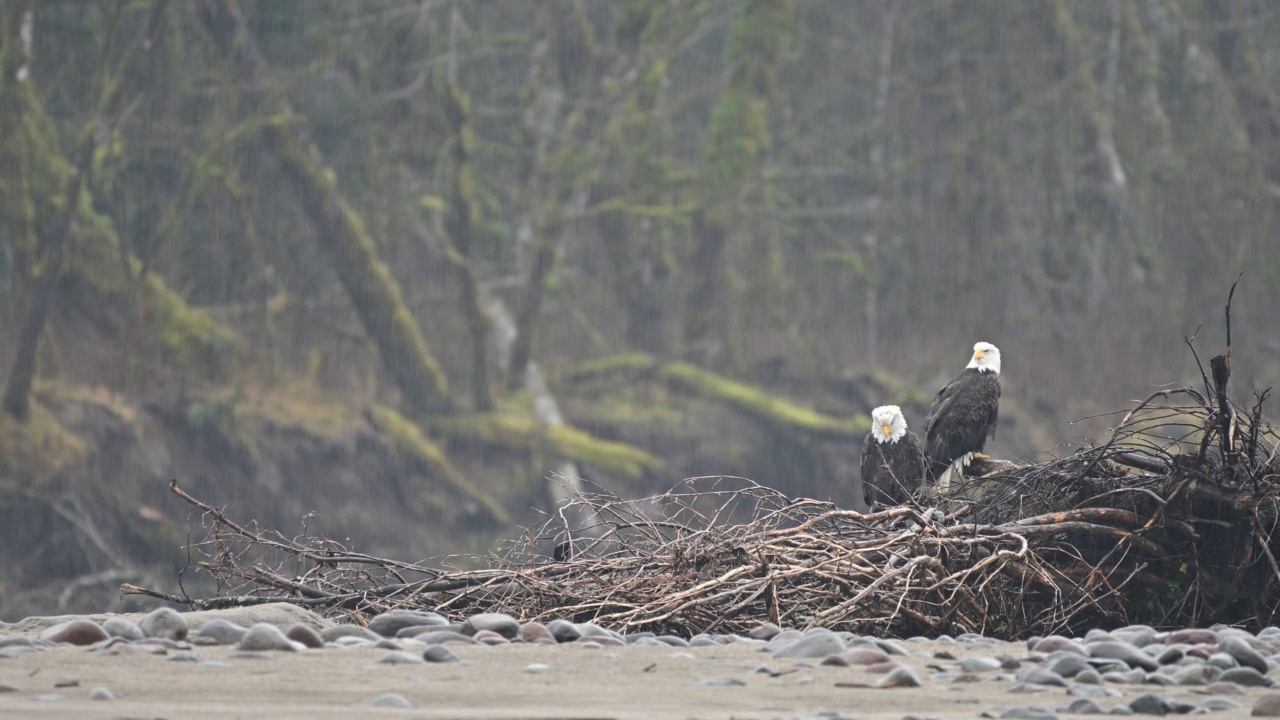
x=521, y=681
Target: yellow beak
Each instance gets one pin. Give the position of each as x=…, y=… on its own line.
x=979, y=354
x=887, y=430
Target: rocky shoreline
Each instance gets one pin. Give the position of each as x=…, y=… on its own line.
x=213, y=664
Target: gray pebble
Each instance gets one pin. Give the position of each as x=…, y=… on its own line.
x=979, y=664
x=672, y=640
x=1136, y=635
x=47, y=697
x=336, y=632
x=121, y=628
x=75, y=632
x=765, y=631
x=182, y=657
x=164, y=623
x=1246, y=676
x=1223, y=660
x=1092, y=691
x=817, y=645
x=1160, y=679
x=388, y=644
x=1217, y=704
x=1040, y=676
x=1155, y=705
x=1090, y=677
x=443, y=637
x=1243, y=653
x=901, y=676
x=1224, y=688
x=1197, y=674
x=101, y=693
x=720, y=682
x=223, y=632
x=501, y=623
x=1067, y=665
x=1125, y=677
x=890, y=647
x=249, y=656
x=1130, y=655
x=439, y=654
x=400, y=657
x=563, y=631
x=392, y=700
x=1084, y=706
x=265, y=637
x=1028, y=713
x=391, y=622
x=1027, y=689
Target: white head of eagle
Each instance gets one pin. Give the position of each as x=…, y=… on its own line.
x=986, y=358
x=888, y=424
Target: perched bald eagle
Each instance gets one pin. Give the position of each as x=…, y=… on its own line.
x=892, y=459
x=963, y=415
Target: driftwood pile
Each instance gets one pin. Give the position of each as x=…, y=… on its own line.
x=1173, y=521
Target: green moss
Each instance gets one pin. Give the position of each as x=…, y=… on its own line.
x=409, y=440
x=35, y=450
x=704, y=383
x=522, y=431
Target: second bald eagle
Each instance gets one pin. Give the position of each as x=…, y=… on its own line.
x=963, y=415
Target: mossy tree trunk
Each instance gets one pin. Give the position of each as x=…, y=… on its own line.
x=340, y=231
x=53, y=246
x=17, y=211
x=460, y=229
x=738, y=138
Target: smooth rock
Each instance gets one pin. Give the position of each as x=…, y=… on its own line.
x=1129, y=654
x=439, y=654
x=818, y=645
x=782, y=639
x=720, y=682
x=392, y=700
x=1217, y=704
x=6, y=688
x=400, y=657
x=672, y=641
x=334, y=632
x=1092, y=691
x=1243, y=653
x=1040, y=676
x=764, y=631
x=1170, y=656
x=1067, y=665
x=1057, y=643
x=1084, y=706
x=978, y=664
x=164, y=623
x=1223, y=660
x=536, y=668
x=263, y=637
x=1192, y=636
x=901, y=676
x=1246, y=676
x=121, y=628
x=1267, y=706
x=183, y=657
x=1155, y=705
x=223, y=632
x=76, y=632
x=1225, y=688
x=1028, y=713
x=891, y=647
x=489, y=637
x=1197, y=674
x=391, y=622
x=1090, y=677
x=532, y=632
x=500, y=623
x=563, y=630
x=306, y=636
x=101, y=693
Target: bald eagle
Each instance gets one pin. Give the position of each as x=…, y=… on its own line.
x=963, y=415
x=892, y=459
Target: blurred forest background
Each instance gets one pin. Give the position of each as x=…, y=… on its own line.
x=402, y=272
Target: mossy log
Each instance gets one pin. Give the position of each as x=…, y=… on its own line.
x=520, y=430
x=410, y=441
x=374, y=292
x=751, y=401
